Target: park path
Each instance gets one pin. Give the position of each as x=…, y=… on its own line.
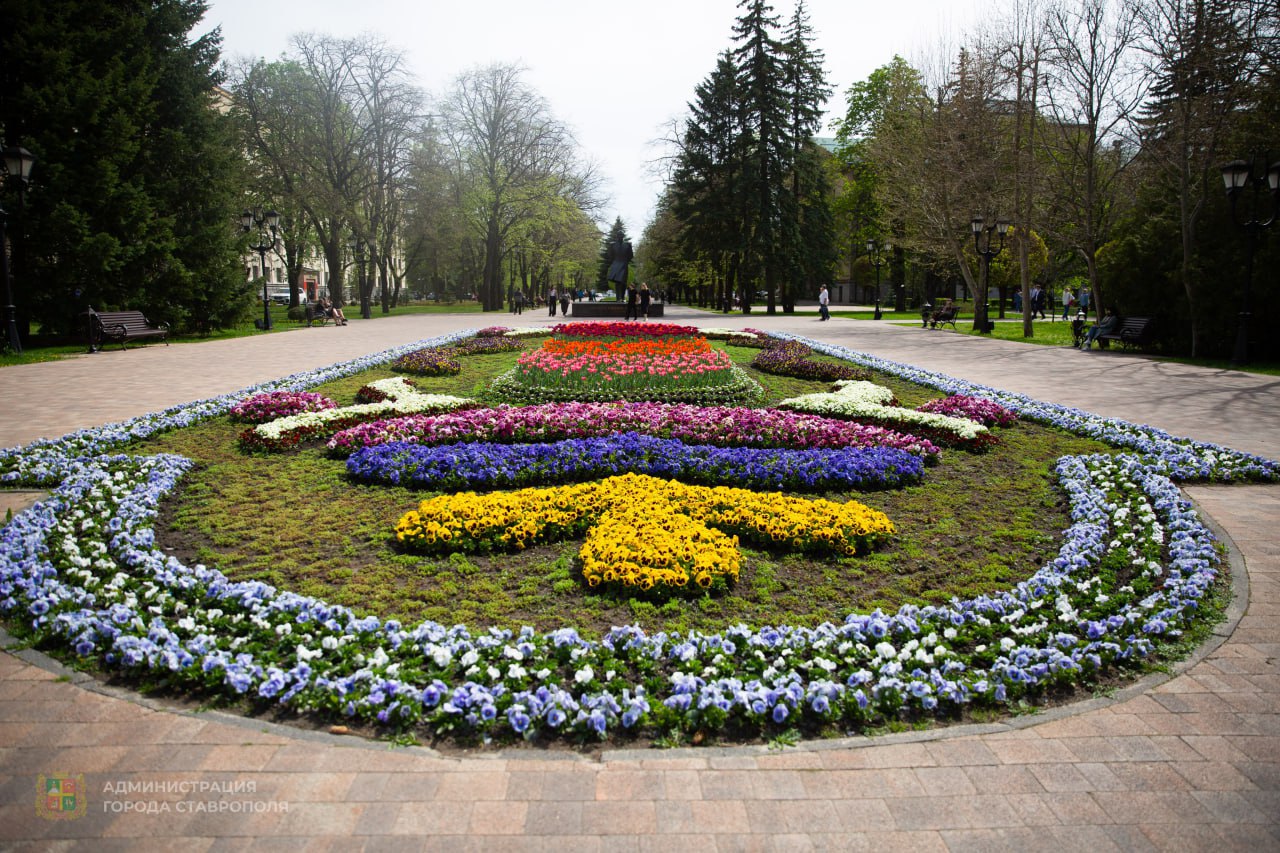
x=1183, y=762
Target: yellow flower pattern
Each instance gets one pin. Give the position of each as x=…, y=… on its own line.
x=644, y=532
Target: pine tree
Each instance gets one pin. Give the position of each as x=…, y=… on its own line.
x=136, y=185
x=759, y=59
x=706, y=191
x=808, y=233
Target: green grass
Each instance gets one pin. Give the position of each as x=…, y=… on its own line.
x=280, y=323
x=979, y=523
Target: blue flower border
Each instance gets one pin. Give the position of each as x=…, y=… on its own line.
x=81, y=568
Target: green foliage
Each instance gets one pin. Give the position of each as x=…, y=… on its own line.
x=136, y=184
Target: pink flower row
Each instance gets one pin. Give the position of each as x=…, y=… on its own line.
x=601, y=367
x=723, y=426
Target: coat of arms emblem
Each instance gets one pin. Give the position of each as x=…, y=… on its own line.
x=61, y=796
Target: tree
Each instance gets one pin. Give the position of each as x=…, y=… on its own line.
x=808, y=229
x=1020, y=57
x=758, y=58
x=135, y=191
x=1204, y=56
x=1091, y=99
x=707, y=194
x=331, y=129
x=510, y=155
x=879, y=105
x=938, y=157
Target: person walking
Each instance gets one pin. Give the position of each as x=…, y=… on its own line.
x=551, y=301
x=1068, y=300
x=824, y=302
x=564, y=303
x=644, y=300
x=1037, y=302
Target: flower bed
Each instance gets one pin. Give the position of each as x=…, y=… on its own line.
x=443, y=361
x=985, y=412
x=867, y=401
x=502, y=521
x=735, y=387
x=791, y=358
x=488, y=465
x=80, y=571
x=401, y=398
x=734, y=426
x=625, y=331
x=432, y=361
x=269, y=406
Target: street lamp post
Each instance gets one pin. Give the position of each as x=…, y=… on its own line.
x=875, y=252
x=1236, y=175
x=17, y=165
x=979, y=227
x=268, y=227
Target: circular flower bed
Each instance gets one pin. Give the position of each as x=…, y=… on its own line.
x=80, y=571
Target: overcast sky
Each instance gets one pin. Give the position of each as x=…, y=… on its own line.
x=618, y=74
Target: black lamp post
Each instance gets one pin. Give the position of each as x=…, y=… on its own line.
x=268, y=227
x=1236, y=175
x=875, y=253
x=17, y=165
x=979, y=227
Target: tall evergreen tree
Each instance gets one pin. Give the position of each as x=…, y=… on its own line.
x=707, y=193
x=759, y=58
x=136, y=188
x=808, y=229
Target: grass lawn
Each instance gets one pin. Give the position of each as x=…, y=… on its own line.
x=280, y=323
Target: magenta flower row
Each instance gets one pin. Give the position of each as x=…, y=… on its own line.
x=723, y=426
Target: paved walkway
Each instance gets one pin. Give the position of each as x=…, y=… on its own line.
x=1189, y=762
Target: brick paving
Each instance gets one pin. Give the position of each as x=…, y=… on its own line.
x=1186, y=761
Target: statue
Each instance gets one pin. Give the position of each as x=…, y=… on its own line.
x=620, y=256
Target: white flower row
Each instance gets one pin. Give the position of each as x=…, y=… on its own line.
x=856, y=398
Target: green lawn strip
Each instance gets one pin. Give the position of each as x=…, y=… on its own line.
x=978, y=524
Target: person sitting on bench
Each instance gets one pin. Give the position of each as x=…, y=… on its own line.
x=1108, y=324
x=945, y=314
x=328, y=309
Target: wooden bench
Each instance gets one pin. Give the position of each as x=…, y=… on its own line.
x=122, y=326
x=1133, y=332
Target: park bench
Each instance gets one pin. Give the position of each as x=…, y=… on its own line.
x=315, y=315
x=1133, y=332
x=941, y=317
x=122, y=326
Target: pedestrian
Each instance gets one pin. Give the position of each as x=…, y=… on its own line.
x=1037, y=302
x=564, y=303
x=824, y=301
x=644, y=300
x=633, y=300
x=551, y=301
x=1085, y=294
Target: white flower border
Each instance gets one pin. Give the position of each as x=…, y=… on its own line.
x=80, y=569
